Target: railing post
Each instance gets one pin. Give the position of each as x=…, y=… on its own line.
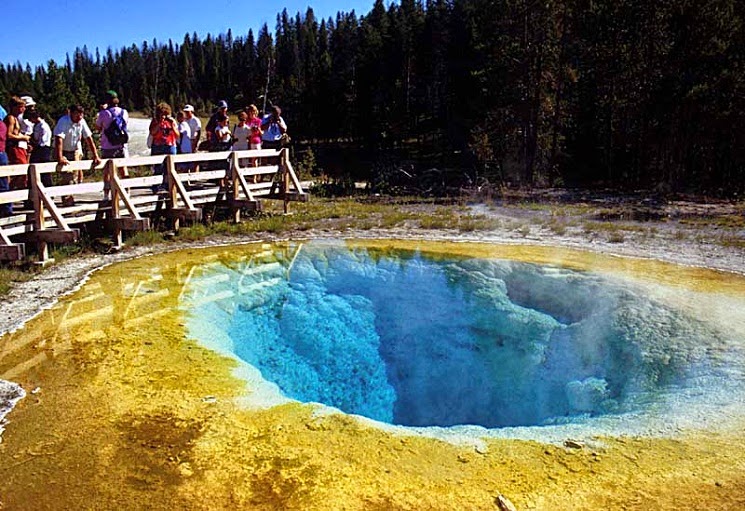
x=106, y=180
x=235, y=186
x=108, y=173
x=34, y=178
x=172, y=191
x=284, y=154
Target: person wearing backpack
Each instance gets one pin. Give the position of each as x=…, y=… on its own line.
x=112, y=124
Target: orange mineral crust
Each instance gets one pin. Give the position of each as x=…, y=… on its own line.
x=125, y=411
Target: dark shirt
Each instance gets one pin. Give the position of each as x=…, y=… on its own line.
x=211, y=125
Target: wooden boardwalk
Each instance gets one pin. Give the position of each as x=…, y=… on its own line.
x=115, y=203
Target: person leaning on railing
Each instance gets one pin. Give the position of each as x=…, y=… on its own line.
x=69, y=133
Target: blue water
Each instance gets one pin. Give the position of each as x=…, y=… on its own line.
x=416, y=341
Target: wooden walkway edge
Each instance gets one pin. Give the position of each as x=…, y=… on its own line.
x=158, y=186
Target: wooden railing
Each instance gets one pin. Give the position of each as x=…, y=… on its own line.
x=129, y=197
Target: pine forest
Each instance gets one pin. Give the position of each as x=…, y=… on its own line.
x=617, y=94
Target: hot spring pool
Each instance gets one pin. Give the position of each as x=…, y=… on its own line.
x=430, y=340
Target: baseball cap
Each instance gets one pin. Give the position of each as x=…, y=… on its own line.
x=222, y=104
x=111, y=94
x=28, y=100
x=188, y=108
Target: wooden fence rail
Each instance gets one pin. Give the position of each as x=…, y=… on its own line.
x=133, y=191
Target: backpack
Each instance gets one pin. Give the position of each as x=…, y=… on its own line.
x=116, y=131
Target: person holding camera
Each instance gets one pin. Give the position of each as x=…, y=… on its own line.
x=222, y=110
x=275, y=129
x=164, y=130
x=165, y=133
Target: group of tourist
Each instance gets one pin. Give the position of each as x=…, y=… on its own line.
x=182, y=134
x=26, y=136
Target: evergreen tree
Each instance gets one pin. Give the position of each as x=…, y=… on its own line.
x=624, y=93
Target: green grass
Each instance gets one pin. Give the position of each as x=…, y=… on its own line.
x=722, y=222
x=10, y=275
x=604, y=227
x=144, y=238
x=477, y=223
x=523, y=230
x=557, y=226
x=732, y=242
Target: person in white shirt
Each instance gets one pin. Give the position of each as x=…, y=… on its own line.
x=274, y=127
x=41, y=141
x=27, y=126
x=222, y=139
x=69, y=133
x=184, y=141
x=241, y=133
x=195, y=127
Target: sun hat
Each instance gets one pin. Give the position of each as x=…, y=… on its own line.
x=28, y=100
x=222, y=104
x=188, y=108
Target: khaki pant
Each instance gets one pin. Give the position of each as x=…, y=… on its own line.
x=73, y=177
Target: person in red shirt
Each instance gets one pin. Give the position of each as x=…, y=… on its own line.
x=5, y=209
x=16, y=145
x=165, y=133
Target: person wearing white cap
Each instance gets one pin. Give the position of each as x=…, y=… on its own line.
x=27, y=127
x=195, y=126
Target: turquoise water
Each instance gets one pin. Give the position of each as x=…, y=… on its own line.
x=410, y=340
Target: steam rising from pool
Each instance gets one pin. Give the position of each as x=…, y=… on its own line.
x=411, y=340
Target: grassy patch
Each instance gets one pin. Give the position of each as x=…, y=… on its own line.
x=441, y=218
x=395, y=218
x=144, y=238
x=732, y=242
x=194, y=232
x=557, y=227
x=477, y=223
x=735, y=221
x=602, y=227
x=523, y=230
x=62, y=252
x=680, y=235
x=10, y=275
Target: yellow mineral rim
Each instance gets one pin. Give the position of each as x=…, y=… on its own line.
x=123, y=411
